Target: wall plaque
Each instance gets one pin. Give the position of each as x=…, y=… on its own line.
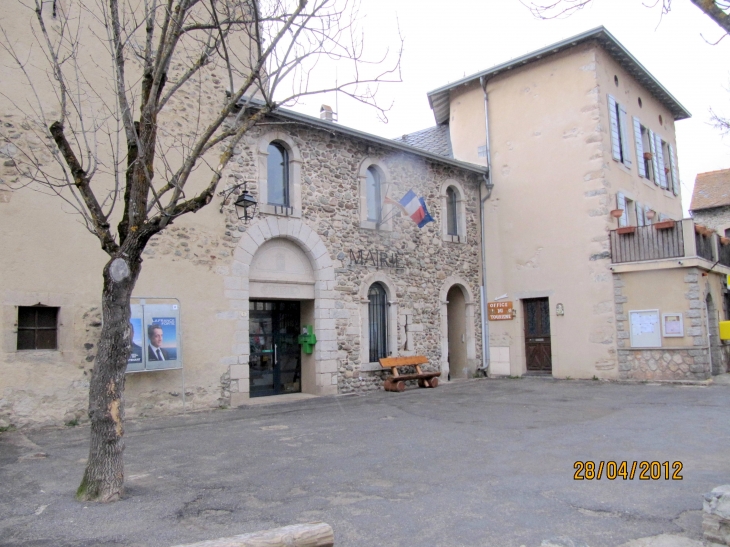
x=500, y=311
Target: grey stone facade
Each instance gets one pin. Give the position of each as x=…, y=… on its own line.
x=427, y=266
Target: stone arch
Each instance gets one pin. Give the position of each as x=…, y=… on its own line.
x=390, y=290
x=385, y=179
x=237, y=290
x=295, y=174
x=460, y=211
x=469, y=327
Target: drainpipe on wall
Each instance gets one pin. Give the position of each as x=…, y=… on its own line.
x=489, y=185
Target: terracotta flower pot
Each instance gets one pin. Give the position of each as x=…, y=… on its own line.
x=616, y=213
x=626, y=230
x=664, y=225
x=647, y=155
x=725, y=241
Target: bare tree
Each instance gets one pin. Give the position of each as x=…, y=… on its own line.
x=111, y=147
x=717, y=10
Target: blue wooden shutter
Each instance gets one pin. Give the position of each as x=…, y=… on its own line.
x=675, y=174
x=624, y=132
x=652, y=145
x=639, y=148
x=623, y=220
x=660, y=161
x=615, y=138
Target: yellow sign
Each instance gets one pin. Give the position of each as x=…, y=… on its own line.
x=500, y=311
x=728, y=281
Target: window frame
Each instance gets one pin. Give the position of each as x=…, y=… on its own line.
x=285, y=174
x=459, y=208
x=385, y=208
x=294, y=187
x=619, y=135
x=377, y=325
x=36, y=327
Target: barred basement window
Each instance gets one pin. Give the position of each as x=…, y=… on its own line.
x=37, y=327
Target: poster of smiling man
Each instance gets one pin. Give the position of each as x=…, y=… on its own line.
x=155, y=337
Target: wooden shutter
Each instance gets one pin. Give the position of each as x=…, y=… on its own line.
x=652, y=145
x=623, y=220
x=640, y=220
x=615, y=138
x=660, y=161
x=639, y=148
x=624, y=132
x=675, y=175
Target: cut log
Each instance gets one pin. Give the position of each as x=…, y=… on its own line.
x=313, y=534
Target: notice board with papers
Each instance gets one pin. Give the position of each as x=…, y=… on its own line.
x=644, y=329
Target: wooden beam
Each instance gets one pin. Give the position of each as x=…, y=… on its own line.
x=313, y=534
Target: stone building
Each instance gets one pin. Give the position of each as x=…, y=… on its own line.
x=584, y=240
x=710, y=204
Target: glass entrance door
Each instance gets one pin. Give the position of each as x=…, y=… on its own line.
x=275, y=357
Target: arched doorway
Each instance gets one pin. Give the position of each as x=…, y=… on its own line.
x=456, y=321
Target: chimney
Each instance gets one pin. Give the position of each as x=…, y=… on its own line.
x=326, y=113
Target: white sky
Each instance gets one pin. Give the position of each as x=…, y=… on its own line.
x=448, y=39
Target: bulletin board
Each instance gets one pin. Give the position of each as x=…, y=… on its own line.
x=645, y=329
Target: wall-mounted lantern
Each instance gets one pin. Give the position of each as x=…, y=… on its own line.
x=245, y=203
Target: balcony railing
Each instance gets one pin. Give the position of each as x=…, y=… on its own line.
x=667, y=240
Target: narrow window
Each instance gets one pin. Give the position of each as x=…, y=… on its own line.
x=373, y=195
x=37, y=327
x=278, y=175
x=451, y=213
x=377, y=320
x=619, y=132
x=647, y=154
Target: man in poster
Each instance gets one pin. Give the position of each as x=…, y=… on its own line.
x=154, y=350
x=135, y=355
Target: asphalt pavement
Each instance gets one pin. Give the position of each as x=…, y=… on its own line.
x=471, y=464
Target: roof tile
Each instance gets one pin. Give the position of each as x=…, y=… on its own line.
x=712, y=189
x=434, y=139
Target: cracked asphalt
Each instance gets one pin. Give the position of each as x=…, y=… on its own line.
x=476, y=463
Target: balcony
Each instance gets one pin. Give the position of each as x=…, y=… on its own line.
x=662, y=241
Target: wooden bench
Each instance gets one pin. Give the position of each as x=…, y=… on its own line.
x=397, y=382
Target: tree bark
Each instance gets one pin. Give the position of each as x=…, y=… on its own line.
x=104, y=475
x=714, y=12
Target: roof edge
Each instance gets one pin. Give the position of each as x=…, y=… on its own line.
x=356, y=133
x=598, y=33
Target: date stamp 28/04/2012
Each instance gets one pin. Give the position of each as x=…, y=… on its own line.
x=611, y=470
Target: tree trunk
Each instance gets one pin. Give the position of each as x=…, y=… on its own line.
x=104, y=476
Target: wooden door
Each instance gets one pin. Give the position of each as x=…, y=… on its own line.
x=537, y=335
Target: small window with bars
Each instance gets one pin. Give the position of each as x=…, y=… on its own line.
x=37, y=327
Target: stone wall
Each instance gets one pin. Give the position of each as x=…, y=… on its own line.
x=717, y=218
x=330, y=167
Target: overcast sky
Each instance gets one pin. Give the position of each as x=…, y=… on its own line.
x=448, y=39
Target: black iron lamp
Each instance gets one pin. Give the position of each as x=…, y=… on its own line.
x=245, y=203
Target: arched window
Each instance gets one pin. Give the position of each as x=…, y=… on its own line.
x=378, y=322
x=278, y=175
x=373, y=195
x=452, y=228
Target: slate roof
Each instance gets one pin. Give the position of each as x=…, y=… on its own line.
x=434, y=139
x=712, y=189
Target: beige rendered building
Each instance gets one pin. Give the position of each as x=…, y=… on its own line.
x=329, y=252
x=580, y=236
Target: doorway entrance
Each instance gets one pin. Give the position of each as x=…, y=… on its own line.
x=538, y=351
x=456, y=324
x=275, y=364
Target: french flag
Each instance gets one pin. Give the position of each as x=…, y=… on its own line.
x=415, y=207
